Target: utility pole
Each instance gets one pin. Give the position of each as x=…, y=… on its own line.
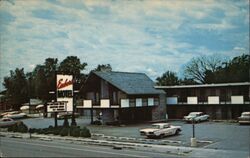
x=29, y=81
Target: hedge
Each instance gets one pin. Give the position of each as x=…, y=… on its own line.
x=74, y=131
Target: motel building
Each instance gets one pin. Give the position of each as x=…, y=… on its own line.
x=121, y=96
x=220, y=101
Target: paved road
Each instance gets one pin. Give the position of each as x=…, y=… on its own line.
x=14, y=147
x=228, y=136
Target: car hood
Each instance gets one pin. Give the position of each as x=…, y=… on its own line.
x=149, y=130
x=189, y=117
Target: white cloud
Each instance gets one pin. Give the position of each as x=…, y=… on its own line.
x=239, y=48
x=137, y=36
x=223, y=25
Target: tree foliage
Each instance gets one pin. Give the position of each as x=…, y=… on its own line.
x=167, y=79
x=199, y=68
x=72, y=65
x=236, y=70
x=211, y=69
x=16, y=87
x=20, y=87
x=103, y=67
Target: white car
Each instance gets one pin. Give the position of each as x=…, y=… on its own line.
x=160, y=130
x=196, y=117
x=244, y=118
x=5, y=122
x=61, y=115
x=15, y=115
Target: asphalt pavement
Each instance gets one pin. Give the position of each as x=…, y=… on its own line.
x=14, y=147
x=220, y=135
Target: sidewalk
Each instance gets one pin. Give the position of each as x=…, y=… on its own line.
x=170, y=150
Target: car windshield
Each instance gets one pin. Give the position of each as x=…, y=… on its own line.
x=245, y=115
x=156, y=126
x=192, y=114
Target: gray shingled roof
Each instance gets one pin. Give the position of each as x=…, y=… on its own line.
x=130, y=83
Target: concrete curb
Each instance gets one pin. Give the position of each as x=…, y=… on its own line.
x=113, y=144
x=167, y=149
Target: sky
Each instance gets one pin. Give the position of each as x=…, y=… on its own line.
x=149, y=36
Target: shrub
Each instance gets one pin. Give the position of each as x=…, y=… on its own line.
x=75, y=131
x=12, y=128
x=15, y=128
x=64, y=131
x=66, y=122
x=39, y=131
x=32, y=130
x=84, y=132
x=57, y=130
x=51, y=127
x=21, y=127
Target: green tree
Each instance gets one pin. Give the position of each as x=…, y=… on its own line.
x=16, y=88
x=167, y=79
x=72, y=65
x=41, y=86
x=50, y=68
x=186, y=81
x=103, y=67
x=235, y=70
x=42, y=79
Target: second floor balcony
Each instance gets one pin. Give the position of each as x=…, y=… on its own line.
x=123, y=103
x=193, y=100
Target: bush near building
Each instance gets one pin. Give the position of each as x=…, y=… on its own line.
x=74, y=131
x=19, y=127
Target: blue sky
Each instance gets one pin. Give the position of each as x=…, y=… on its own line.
x=134, y=36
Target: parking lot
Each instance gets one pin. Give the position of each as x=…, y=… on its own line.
x=221, y=135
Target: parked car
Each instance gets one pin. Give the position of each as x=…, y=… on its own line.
x=244, y=118
x=61, y=115
x=196, y=117
x=160, y=130
x=15, y=115
x=5, y=122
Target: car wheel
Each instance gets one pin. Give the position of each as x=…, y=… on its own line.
x=177, y=132
x=162, y=136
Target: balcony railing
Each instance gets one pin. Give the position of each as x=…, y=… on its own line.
x=210, y=100
x=124, y=103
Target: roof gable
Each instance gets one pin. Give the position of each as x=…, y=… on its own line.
x=130, y=83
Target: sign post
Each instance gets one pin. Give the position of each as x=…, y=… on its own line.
x=55, y=107
x=193, y=139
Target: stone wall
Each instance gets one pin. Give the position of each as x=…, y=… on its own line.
x=159, y=112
